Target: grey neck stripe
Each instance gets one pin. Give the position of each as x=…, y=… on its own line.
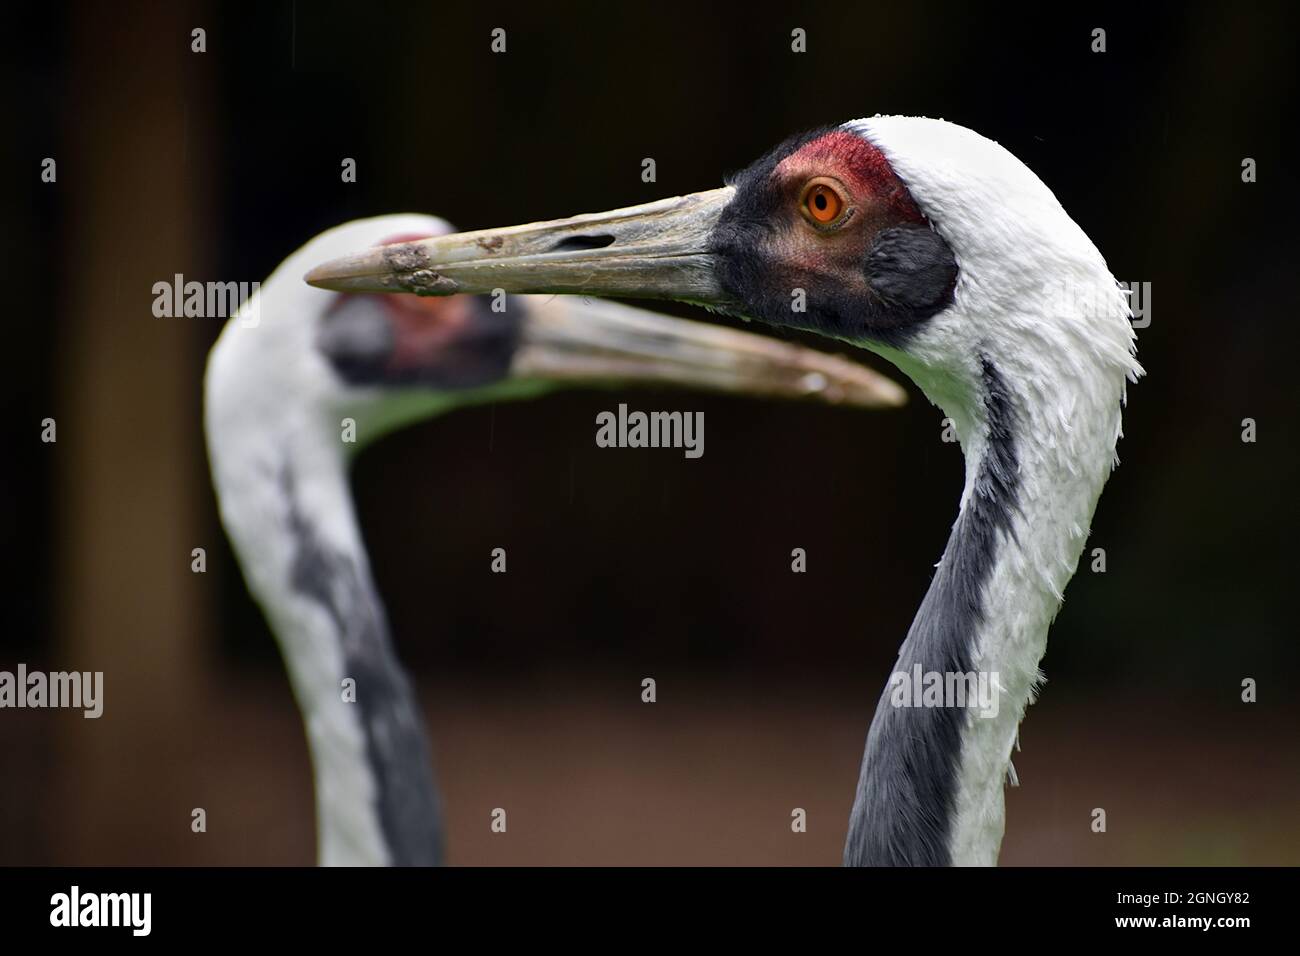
x=902, y=813
x=407, y=801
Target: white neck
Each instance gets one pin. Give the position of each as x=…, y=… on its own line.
x=283, y=518
x=931, y=784
x=298, y=543
x=1063, y=464
x=1030, y=363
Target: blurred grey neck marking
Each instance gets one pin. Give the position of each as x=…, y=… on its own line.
x=903, y=811
x=408, y=808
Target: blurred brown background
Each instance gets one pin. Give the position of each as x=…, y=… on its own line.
x=626, y=564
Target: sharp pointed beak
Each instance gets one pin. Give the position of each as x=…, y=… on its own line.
x=592, y=341
x=659, y=250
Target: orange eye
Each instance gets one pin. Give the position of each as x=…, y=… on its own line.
x=823, y=203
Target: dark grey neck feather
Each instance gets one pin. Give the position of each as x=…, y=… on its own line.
x=902, y=814
x=407, y=803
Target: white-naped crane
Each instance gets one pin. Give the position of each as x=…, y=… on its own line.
x=287, y=372
x=935, y=247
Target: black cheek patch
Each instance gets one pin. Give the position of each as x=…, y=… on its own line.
x=911, y=268
x=459, y=344
x=358, y=340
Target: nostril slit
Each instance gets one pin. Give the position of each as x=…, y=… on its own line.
x=573, y=243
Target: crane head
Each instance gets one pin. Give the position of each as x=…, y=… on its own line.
x=916, y=238
x=818, y=234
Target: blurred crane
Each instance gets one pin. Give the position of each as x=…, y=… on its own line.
x=296, y=367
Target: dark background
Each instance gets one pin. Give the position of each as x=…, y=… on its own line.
x=630, y=564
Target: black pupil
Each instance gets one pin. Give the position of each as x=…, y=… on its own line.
x=820, y=200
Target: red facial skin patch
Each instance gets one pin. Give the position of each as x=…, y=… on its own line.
x=422, y=327
x=859, y=165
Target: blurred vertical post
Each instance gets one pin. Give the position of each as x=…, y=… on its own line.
x=131, y=457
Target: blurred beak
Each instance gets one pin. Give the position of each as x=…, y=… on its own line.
x=571, y=339
x=659, y=250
